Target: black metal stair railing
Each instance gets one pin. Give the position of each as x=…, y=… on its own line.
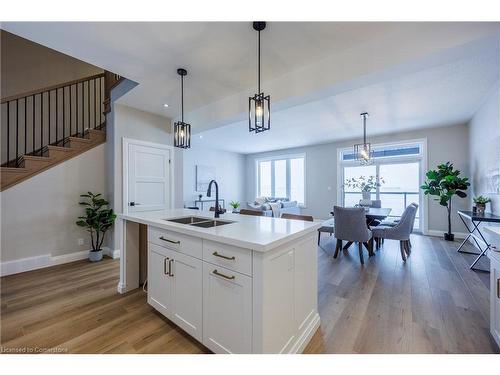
x=35, y=120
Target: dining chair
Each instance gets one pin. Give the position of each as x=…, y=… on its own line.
x=350, y=225
x=221, y=210
x=394, y=222
x=401, y=231
x=297, y=217
x=244, y=211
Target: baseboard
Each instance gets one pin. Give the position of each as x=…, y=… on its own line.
x=33, y=263
x=306, y=335
x=440, y=233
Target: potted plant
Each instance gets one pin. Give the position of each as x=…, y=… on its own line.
x=97, y=220
x=480, y=202
x=235, y=205
x=444, y=183
x=365, y=184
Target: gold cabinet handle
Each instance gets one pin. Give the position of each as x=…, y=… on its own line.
x=215, y=253
x=215, y=272
x=170, y=267
x=165, y=266
x=167, y=240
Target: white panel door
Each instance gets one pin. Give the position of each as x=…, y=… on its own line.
x=148, y=178
x=227, y=310
x=187, y=284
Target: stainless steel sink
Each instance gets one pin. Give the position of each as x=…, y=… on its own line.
x=202, y=222
x=188, y=219
x=211, y=223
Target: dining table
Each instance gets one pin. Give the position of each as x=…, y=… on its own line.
x=372, y=214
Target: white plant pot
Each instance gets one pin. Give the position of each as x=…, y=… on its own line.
x=95, y=256
x=366, y=195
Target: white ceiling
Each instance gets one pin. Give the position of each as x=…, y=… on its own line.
x=320, y=75
x=441, y=95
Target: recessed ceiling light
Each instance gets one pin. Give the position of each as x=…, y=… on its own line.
x=165, y=105
x=201, y=137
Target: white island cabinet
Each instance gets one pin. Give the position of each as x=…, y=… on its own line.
x=494, y=255
x=248, y=286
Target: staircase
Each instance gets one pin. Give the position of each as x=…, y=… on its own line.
x=45, y=127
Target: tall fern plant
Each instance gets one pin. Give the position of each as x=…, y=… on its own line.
x=443, y=183
x=98, y=218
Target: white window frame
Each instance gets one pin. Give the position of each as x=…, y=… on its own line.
x=421, y=158
x=286, y=157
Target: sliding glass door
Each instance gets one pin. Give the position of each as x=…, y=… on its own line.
x=402, y=175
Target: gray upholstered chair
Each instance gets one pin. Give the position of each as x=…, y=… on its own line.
x=350, y=225
x=400, y=232
x=394, y=222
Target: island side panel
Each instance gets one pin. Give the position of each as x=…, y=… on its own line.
x=285, y=313
x=129, y=260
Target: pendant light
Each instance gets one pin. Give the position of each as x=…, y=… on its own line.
x=363, y=151
x=259, y=105
x=182, y=131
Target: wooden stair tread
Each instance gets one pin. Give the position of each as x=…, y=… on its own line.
x=78, y=139
x=97, y=131
x=38, y=158
x=59, y=148
x=14, y=170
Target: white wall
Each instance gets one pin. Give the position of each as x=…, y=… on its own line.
x=229, y=171
x=39, y=214
x=443, y=143
x=485, y=148
x=132, y=123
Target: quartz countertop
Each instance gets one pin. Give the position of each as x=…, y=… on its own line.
x=259, y=233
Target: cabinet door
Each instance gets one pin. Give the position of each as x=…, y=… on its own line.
x=187, y=284
x=159, y=282
x=495, y=300
x=227, y=310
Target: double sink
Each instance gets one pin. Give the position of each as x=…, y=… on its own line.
x=201, y=222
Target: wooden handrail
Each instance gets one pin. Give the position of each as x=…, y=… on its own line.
x=50, y=88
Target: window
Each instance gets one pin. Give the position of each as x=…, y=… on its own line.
x=282, y=177
x=399, y=165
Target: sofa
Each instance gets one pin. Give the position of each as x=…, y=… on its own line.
x=274, y=206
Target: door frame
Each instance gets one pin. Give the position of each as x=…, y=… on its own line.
x=422, y=158
x=126, y=142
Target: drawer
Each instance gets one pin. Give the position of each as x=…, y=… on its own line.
x=230, y=257
x=176, y=241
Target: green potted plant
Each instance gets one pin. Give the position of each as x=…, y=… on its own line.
x=97, y=220
x=235, y=205
x=480, y=202
x=444, y=183
x=365, y=184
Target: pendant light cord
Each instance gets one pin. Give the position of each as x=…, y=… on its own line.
x=364, y=129
x=258, y=90
x=182, y=98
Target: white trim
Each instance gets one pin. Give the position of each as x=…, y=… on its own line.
x=440, y=233
x=126, y=142
x=42, y=261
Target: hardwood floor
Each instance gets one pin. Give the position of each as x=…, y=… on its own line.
x=431, y=304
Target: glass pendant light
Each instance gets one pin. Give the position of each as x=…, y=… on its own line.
x=363, y=151
x=182, y=130
x=259, y=105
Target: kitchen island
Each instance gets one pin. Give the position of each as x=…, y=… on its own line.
x=237, y=284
